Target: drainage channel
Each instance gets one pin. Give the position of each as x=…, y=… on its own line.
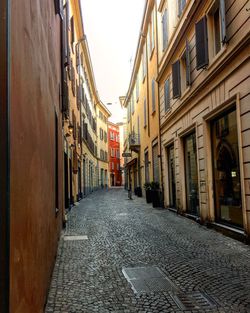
x=150, y=279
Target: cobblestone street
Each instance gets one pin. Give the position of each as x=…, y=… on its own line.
x=181, y=266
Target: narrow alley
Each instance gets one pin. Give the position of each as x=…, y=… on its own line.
x=174, y=264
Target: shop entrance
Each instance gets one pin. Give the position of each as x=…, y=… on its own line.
x=171, y=177
x=226, y=170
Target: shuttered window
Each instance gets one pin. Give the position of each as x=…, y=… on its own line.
x=72, y=27
x=223, y=21
x=145, y=113
x=188, y=64
x=155, y=163
x=166, y=95
x=153, y=95
x=201, y=43
x=176, y=77
x=165, y=29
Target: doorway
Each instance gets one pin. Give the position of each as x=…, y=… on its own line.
x=226, y=170
x=171, y=177
x=191, y=175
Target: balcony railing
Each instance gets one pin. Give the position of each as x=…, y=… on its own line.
x=134, y=142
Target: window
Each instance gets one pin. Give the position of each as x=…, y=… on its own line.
x=217, y=26
x=164, y=29
x=176, y=77
x=118, y=166
x=100, y=115
x=132, y=104
x=105, y=136
x=153, y=95
x=112, y=165
x=145, y=113
x=137, y=88
x=166, y=95
x=112, y=152
x=152, y=32
x=201, y=43
x=118, y=154
x=155, y=163
x=185, y=68
x=105, y=156
x=101, y=134
x=111, y=135
x=144, y=63
x=181, y=6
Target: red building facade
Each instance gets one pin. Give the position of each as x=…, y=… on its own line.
x=115, y=178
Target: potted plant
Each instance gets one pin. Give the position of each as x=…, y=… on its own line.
x=155, y=194
x=139, y=192
x=147, y=187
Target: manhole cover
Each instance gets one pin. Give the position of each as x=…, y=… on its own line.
x=75, y=238
x=195, y=300
x=148, y=279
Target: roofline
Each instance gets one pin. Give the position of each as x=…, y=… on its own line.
x=139, y=47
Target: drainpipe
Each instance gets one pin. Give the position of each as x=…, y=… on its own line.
x=157, y=57
x=5, y=155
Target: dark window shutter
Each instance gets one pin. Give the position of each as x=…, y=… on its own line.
x=201, y=43
x=188, y=64
x=153, y=95
x=166, y=95
x=72, y=27
x=176, y=76
x=65, y=94
x=223, y=21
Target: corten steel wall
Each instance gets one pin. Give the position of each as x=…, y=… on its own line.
x=35, y=227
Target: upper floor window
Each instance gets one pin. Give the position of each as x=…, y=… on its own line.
x=105, y=136
x=176, y=78
x=217, y=26
x=118, y=154
x=153, y=95
x=101, y=133
x=137, y=88
x=111, y=135
x=164, y=29
x=166, y=95
x=144, y=63
x=181, y=6
x=145, y=113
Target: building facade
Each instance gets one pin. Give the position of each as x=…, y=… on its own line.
x=102, y=142
x=143, y=140
x=115, y=177
x=204, y=105
x=81, y=166
x=31, y=180
x=192, y=136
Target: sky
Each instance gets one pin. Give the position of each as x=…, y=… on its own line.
x=112, y=28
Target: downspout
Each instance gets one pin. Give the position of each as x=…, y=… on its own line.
x=5, y=156
x=159, y=118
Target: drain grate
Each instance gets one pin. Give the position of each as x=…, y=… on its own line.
x=148, y=279
x=75, y=238
x=195, y=300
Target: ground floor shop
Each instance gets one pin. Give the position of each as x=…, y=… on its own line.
x=206, y=157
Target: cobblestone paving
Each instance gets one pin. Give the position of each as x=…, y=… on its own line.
x=125, y=233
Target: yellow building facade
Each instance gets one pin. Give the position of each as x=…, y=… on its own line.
x=199, y=61
x=80, y=101
x=141, y=101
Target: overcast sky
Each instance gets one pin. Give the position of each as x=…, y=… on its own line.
x=112, y=28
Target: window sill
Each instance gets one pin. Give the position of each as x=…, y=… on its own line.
x=217, y=57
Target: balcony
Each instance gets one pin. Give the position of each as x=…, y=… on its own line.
x=134, y=142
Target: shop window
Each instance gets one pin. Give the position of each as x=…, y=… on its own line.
x=191, y=175
x=226, y=169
